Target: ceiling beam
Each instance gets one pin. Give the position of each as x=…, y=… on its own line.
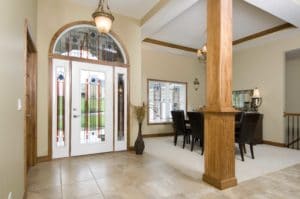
x=163, y=13
x=154, y=10
x=263, y=33
x=170, y=45
x=235, y=42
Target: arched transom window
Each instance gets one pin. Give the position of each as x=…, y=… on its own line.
x=84, y=41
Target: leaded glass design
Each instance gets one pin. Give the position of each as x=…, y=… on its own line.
x=92, y=107
x=121, y=100
x=60, y=96
x=163, y=98
x=86, y=42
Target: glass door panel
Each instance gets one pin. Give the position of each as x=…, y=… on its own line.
x=60, y=109
x=92, y=109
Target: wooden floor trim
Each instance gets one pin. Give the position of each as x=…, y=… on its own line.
x=158, y=135
x=274, y=143
x=44, y=159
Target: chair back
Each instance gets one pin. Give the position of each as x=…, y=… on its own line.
x=239, y=116
x=196, y=120
x=248, y=127
x=178, y=121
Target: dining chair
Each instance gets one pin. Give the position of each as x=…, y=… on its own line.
x=179, y=126
x=245, y=135
x=196, y=120
x=238, y=122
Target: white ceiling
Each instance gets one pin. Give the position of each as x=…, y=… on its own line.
x=132, y=8
x=189, y=28
x=288, y=10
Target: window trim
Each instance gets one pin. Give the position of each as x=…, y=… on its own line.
x=165, y=81
x=91, y=23
x=87, y=25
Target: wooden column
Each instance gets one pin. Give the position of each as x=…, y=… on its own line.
x=219, y=113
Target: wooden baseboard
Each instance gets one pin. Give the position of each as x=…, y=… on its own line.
x=43, y=159
x=158, y=135
x=220, y=183
x=274, y=143
x=131, y=148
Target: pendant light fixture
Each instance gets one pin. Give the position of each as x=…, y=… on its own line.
x=202, y=52
x=103, y=17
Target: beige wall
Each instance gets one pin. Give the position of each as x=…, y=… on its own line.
x=264, y=67
x=12, y=60
x=52, y=15
x=292, y=85
x=157, y=64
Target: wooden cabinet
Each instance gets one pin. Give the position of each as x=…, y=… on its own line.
x=258, y=135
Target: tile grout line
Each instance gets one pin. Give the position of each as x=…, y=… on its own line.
x=96, y=181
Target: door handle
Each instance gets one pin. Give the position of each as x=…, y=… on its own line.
x=76, y=116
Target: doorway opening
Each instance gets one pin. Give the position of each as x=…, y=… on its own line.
x=89, y=92
x=292, y=96
x=30, y=98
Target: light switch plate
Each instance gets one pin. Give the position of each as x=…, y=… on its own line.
x=19, y=106
x=10, y=195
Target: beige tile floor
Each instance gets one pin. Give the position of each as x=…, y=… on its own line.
x=126, y=175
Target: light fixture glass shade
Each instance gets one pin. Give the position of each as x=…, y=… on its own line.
x=256, y=93
x=103, y=24
x=204, y=49
x=199, y=52
x=202, y=53
x=103, y=17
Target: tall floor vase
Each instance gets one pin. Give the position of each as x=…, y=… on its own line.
x=139, y=144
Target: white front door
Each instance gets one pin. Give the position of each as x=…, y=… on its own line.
x=91, y=109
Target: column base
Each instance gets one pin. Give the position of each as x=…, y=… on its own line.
x=220, y=183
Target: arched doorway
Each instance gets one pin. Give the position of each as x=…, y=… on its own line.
x=89, y=92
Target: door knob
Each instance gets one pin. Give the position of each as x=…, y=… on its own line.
x=76, y=116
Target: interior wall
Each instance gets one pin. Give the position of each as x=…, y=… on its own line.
x=263, y=66
x=292, y=85
x=52, y=15
x=162, y=65
x=12, y=56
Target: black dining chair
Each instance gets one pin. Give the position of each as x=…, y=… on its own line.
x=245, y=135
x=196, y=120
x=179, y=125
x=238, y=122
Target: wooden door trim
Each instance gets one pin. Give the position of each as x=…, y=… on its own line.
x=48, y=157
x=52, y=56
x=29, y=48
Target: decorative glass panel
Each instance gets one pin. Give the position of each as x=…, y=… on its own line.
x=121, y=107
x=163, y=97
x=86, y=42
x=92, y=107
x=60, y=96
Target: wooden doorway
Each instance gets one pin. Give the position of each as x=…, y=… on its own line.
x=30, y=110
